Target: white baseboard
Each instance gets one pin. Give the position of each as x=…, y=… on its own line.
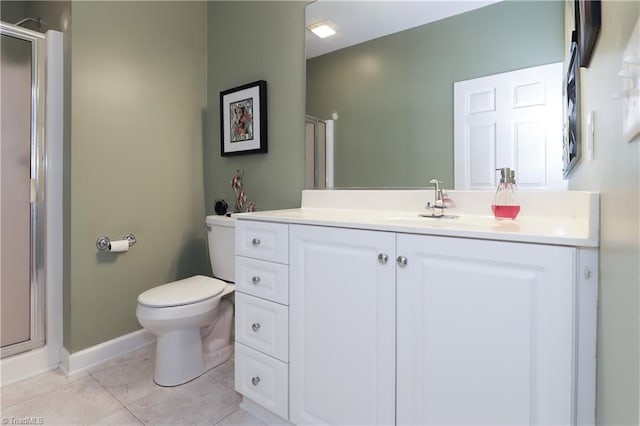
x=28, y=364
x=86, y=358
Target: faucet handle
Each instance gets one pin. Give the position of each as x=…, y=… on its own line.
x=437, y=188
x=438, y=204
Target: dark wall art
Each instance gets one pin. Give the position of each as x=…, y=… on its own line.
x=243, y=119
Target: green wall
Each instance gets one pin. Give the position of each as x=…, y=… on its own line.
x=394, y=94
x=135, y=159
x=614, y=172
x=249, y=41
x=136, y=127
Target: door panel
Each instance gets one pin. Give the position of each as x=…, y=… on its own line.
x=342, y=326
x=524, y=110
x=22, y=278
x=484, y=325
x=15, y=178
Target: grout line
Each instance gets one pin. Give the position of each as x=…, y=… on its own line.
x=230, y=414
x=134, y=416
x=109, y=392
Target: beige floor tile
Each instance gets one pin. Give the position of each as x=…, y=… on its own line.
x=240, y=418
x=200, y=402
x=80, y=402
x=224, y=373
x=120, y=418
x=32, y=387
x=129, y=378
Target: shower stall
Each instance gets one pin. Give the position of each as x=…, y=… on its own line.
x=30, y=200
x=318, y=153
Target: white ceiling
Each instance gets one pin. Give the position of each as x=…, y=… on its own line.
x=362, y=20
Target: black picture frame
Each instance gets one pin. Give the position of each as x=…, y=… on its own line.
x=587, y=23
x=571, y=139
x=243, y=119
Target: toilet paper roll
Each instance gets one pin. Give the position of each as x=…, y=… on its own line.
x=118, y=246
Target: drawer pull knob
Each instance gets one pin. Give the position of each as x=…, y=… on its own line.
x=255, y=242
x=402, y=261
x=255, y=280
x=255, y=380
x=255, y=326
x=383, y=258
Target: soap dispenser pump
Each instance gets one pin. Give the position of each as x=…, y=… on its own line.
x=505, y=203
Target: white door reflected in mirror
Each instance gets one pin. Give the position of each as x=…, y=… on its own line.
x=511, y=119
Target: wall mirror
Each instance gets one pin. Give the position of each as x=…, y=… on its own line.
x=390, y=98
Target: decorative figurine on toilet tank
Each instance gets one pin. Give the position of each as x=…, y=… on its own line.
x=237, y=183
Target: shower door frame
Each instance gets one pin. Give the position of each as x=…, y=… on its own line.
x=318, y=153
x=37, y=275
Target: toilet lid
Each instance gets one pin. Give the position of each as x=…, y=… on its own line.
x=182, y=292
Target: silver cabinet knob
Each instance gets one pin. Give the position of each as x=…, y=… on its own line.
x=255, y=326
x=255, y=242
x=255, y=280
x=402, y=261
x=383, y=258
x=255, y=380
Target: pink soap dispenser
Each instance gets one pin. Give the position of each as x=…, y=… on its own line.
x=505, y=203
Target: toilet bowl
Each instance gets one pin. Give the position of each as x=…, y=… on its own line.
x=191, y=318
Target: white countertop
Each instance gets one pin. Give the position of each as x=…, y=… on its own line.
x=560, y=218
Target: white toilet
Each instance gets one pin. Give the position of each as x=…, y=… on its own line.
x=192, y=321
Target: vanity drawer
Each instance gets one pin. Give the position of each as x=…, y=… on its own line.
x=262, y=379
x=263, y=325
x=263, y=240
x=263, y=279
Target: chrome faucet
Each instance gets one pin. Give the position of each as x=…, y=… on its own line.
x=438, y=204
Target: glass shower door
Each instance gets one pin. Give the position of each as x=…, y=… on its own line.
x=21, y=289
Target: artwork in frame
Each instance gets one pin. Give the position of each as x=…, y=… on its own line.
x=587, y=24
x=243, y=119
x=571, y=140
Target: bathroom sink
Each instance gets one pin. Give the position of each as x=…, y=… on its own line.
x=421, y=217
x=453, y=221
x=444, y=216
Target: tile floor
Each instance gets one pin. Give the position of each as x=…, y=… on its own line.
x=121, y=393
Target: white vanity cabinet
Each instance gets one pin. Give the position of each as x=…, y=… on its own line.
x=484, y=332
x=369, y=316
x=393, y=328
x=342, y=326
x=262, y=315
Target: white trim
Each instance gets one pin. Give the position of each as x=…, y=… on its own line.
x=22, y=366
x=586, y=351
x=86, y=358
x=54, y=134
x=329, y=150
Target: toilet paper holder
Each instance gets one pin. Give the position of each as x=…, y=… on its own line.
x=102, y=243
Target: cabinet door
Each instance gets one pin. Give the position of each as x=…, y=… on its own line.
x=484, y=332
x=342, y=326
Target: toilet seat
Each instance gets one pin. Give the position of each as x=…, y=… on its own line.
x=182, y=292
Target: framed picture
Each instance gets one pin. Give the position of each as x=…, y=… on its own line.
x=571, y=141
x=587, y=23
x=243, y=119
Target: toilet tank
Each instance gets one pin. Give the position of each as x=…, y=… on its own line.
x=221, y=231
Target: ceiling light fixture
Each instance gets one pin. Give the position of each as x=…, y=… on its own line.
x=322, y=29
